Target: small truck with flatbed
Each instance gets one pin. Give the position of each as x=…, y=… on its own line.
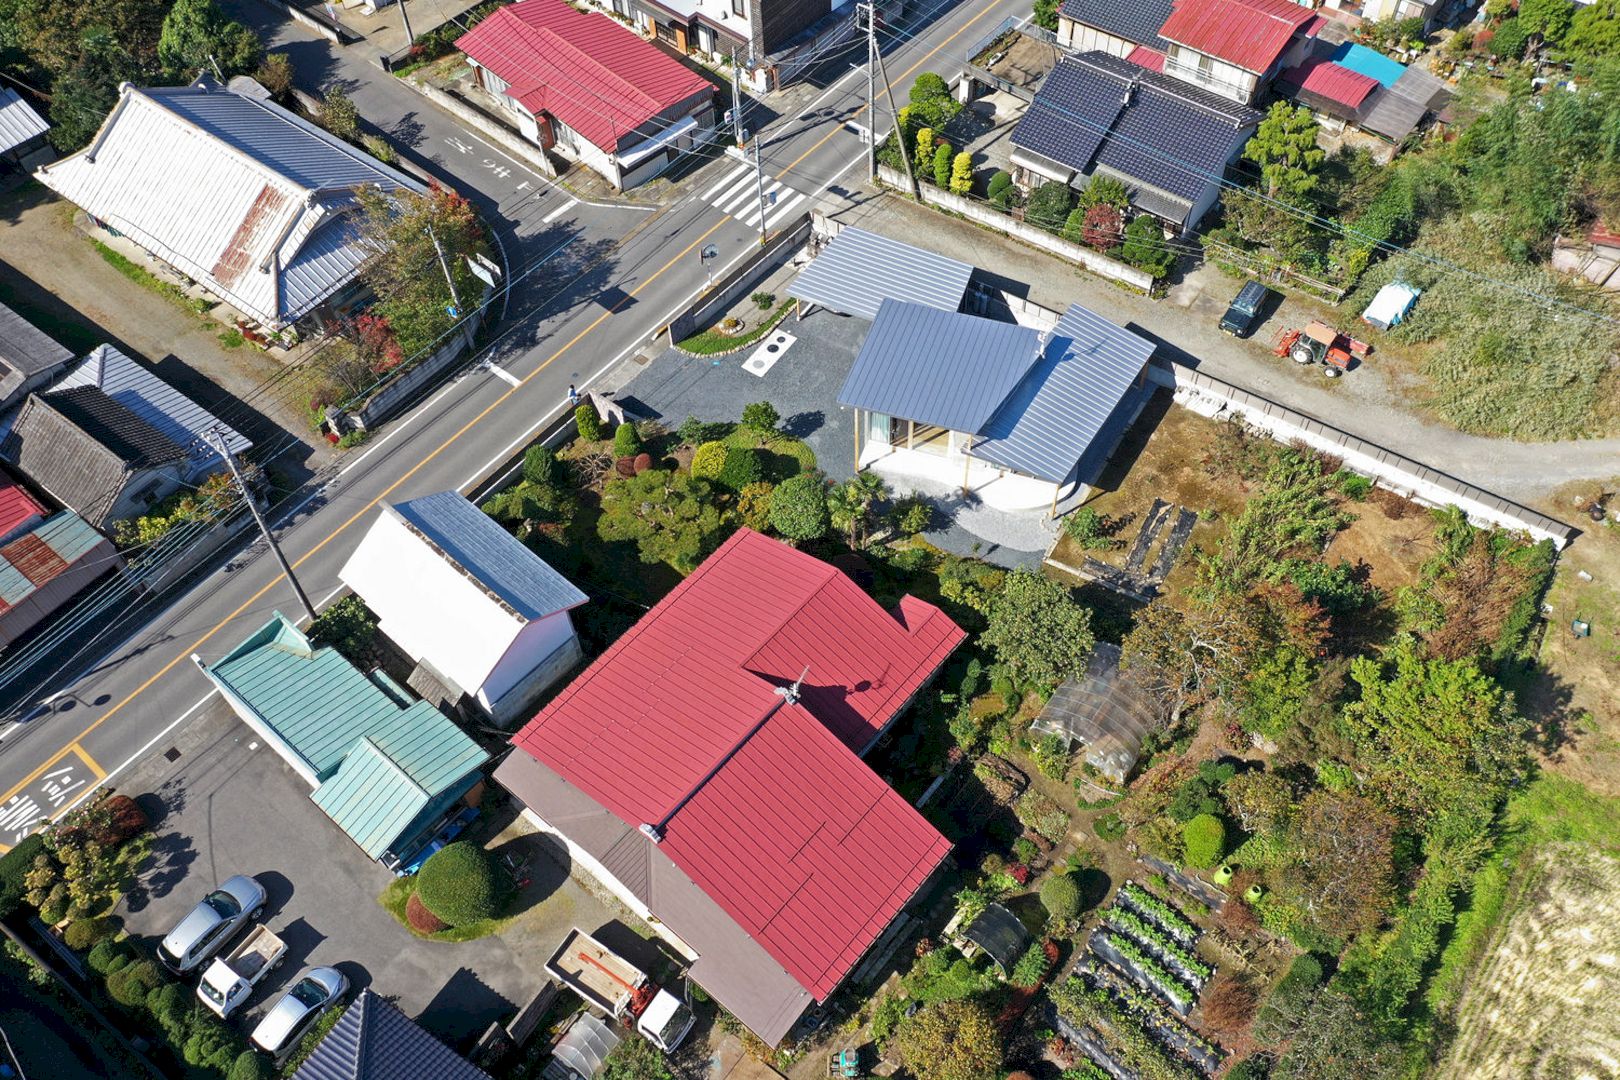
x=615, y=987
x=229, y=981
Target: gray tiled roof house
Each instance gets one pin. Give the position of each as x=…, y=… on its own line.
x=373, y=1040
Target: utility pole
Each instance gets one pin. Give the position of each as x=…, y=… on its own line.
x=736, y=101
x=742, y=136
x=900, y=136
x=455, y=301
x=870, y=14
x=410, y=38
x=216, y=435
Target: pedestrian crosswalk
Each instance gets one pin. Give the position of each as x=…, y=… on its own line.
x=738, y=195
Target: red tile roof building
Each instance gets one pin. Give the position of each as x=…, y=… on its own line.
x=685, y=731
x=586, y=72
x=1251, y=34
x=18, y=509
x=1327, y=86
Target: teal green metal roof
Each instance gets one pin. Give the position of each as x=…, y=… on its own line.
x=380, y=760
x=384, y=785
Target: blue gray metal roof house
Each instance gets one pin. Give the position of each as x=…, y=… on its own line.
x=142, y=392
x=1134, y=20
x=858, y=270
x=373, y=1040
x=382, y=765
x=1045, y=406
x=488, y=554
x=1166, y=140
x=248, y=200
x=29, y=358
x=1089, y=368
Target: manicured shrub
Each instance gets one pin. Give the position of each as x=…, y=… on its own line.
x=14, y=866
x=642, y=463
x=1049, y=205
x=461, y=884
x=1204, y=840
x=922, y=155
x=541, y=467
x=708, y=460
x=754, y=505
x=741, y=468
x=210, y=1044
x=999, y=183
x=626, y=441
x=799, y=507
x=1060, y=895
x=171, y=1005
x=249, y=1066
x=83, y=933
x=942, y=164
x=1104, y=191
x=130, y=985
x=589, y=424
x=962, y=174
x=421, y=919
x=107, y=956
x=1144, y=246
x=761, y=416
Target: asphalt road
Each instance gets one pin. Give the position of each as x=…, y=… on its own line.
x=591, y=283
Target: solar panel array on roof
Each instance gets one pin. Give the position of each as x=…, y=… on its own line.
x=858, y=270
x=1071, y=114
x=1049, y=421
x=938, y=367
x=1133, y=20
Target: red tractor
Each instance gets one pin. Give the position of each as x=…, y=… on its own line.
x=1319, y=343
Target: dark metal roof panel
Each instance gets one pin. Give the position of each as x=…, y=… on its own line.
x=1046, y=424
x=113, y=425
x=938, y=367
x=859, y=270
x=1072, y=113
x=373, y=1040
x=1172, y=143
x=1391, y=114
x=1133, y=20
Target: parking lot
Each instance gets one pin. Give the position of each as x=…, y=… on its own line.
x=223, y=803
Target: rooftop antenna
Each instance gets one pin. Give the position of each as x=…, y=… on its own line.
x=790, y=694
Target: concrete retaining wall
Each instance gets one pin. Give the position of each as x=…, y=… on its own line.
x=742, y=278
x=486, y=125
x=391, y=398
x=991, y=218
x=1209, y=396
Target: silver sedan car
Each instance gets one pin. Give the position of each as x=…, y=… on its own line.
x=215, y=919
x=296, y=1011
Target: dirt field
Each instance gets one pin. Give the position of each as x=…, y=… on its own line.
x=1542, y=1004
x=1164, y=460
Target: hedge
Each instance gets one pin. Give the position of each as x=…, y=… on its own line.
x=1060, y=895
x=14, y=865
x=107, y=957
x=1204, y=838
x=83, y=933
x=461, y=884
x=741, y=468
x=130, y=985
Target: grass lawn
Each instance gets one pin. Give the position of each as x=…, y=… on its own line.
x=713, y=342
x=147, y=280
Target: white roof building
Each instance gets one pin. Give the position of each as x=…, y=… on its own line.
x=253, y=203
x=20, y=125
x=460, y=594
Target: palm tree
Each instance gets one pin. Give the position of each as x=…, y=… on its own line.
x=850, y=505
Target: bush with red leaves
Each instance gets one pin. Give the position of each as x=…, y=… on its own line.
x=625, y=467
x=421, y=919
x=642, y=463
x=1104, y=227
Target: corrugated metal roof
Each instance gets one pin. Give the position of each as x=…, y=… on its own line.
x=1133, y=20
x=257, y=184
x=796, y=840
x=1250, y=34
x=1096, y=110
x=18, y=121
x=42, y=553
x=67, y=462
x=373, y=1040
x=594, y=75
x=1391, y=114
x=938, y=367
x=488, y=554
x=377, y=793
x=1144, y=57
x=120, y=429
x=1046, y=424
x=142, y=392
x=17, y=507
x=26, y=354
x=858, y=270
x=1330, y=81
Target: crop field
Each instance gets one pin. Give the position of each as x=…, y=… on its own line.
x=1542, y=1003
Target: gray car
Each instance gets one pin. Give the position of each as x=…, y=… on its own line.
x=291, y=1017
x=214, y=921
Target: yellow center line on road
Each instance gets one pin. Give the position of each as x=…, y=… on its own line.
x=74, y=747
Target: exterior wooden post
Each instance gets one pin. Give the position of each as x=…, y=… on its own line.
x=1052, y=513
x=911, y=434
x=857, y=440
x=967, y=463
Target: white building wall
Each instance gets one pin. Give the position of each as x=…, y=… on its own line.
x=1218, y=77
x=1083, y=38
x=536, y=641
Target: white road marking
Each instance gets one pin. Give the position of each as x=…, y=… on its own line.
x=560, y=211
x=501, y=373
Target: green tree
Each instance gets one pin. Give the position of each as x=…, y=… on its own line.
x=670, y=516
x=347, y=626
x=932, y=103
x=588, y=422
x=461, y=884
x=1511, y=38
x=635, y=1059
x=1549, y=18
x=922, y=155
x=1060, y=896
x=761, y=417
x=799, y=507
x=708, y=460
x=1203, y=840
x=1145, y=247
x=275, y=74
x=1046, y=14
x=951, y=1040
x=1433, y=734
x=942, y=165
x=1336, y=1041
x=541, y=467
x=209, y=1043
x=1595, y=30
x=86, y=92
x=1038, y=631
x=1049, y=205
x=850, y=505
x=626, y=440
x=1104, y=191
x=340, y=115
x=962, y=174
x=197, y=35
x=406, y=273
x=1284, y=146
x=249, y=1065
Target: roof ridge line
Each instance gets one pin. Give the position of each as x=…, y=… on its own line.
x=388, y=759
x=456, y=563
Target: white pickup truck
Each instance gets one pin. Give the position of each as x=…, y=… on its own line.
x=230, y=979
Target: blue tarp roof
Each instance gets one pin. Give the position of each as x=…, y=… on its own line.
x=1368, y=62
x=1048, y=422
x=938, y=367
x=859, y=270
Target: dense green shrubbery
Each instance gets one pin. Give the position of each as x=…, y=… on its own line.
x=130, y=985
x=14, y=866
x=626, y=440
x=107, y=956
x=1204, y=840
x=739, y=469
x=799, y=507
x=81, y=934
x=1060, y=895
x=708, y=460
x=461, y=884
x=588, y=422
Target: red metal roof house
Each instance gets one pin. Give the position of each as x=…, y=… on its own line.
x=1235, y=47
x=582, y=85
x=18, y=509
x=684, y=772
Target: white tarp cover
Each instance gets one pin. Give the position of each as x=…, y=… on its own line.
x=1390, y=306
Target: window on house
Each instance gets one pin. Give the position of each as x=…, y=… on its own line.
x=1206, y=68
x=739, y=8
